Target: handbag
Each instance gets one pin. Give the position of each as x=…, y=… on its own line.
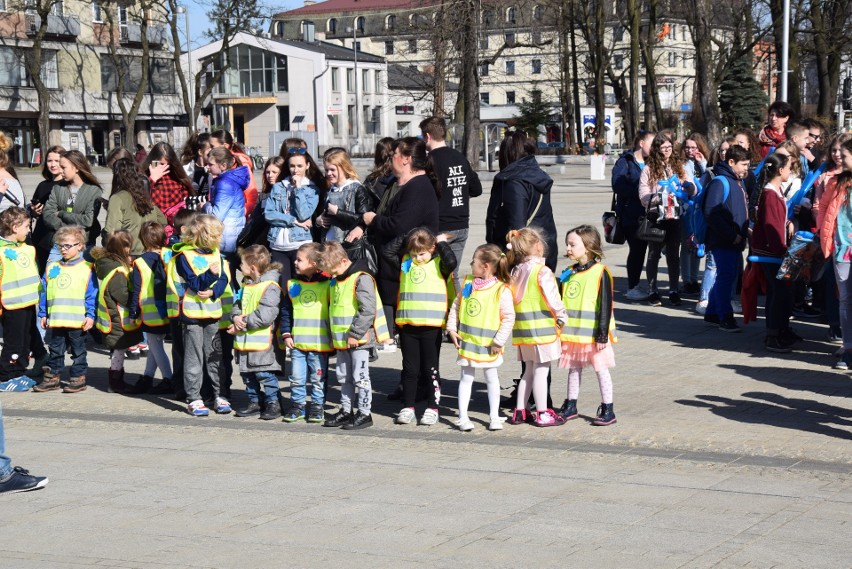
x=613, y=231
x=255, y=231
x=362, y=249
x=649, y=230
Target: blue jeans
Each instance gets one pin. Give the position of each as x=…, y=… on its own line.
x=305, y=366
x=727, y=265
x=62, y=339
x=5, y=461
x=257, y=379
x=456, y=239
x=709, y=276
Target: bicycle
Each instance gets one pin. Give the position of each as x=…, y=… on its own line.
x=257, y=158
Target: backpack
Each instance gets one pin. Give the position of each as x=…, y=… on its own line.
x=696, y=221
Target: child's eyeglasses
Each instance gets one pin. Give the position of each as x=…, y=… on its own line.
x=66, y=246
x=296, y=150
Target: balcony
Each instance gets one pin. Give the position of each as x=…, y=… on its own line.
x=131, y=34
x=58, y=27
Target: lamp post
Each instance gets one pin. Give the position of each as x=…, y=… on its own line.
x=357, y=103
x=183, y=10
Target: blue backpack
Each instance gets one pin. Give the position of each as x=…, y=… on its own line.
x=696, y=222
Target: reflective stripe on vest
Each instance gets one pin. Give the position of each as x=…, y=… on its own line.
x=148, y=309
x=257, y=339
x=186, y=301
x=227, y=298
x=423, y=294
x=479, y=321
x=20, y=284
x=103, y=320
x=66, y=293
x=535, y=323
x=310, y=330
x=343, y=307
x=581, y=294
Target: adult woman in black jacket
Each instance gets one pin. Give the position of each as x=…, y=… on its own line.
x=625, y=185
x=520, y=196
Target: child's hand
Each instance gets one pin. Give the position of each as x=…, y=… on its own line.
x=87, y=324
x=496, y=350
x=240, y=322
x=351, y=343
x=44, y=322
x=289, y=343
x=204, y=293
x=601, y=346
x=454, y=336
x=231, y=330
x=215, y=268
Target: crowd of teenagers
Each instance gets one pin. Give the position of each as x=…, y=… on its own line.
x=306, y=265
x=747, y=199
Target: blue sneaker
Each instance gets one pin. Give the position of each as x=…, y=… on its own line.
x=18, y=384
x=222, y=406
x=197, y=409
x=295, y=413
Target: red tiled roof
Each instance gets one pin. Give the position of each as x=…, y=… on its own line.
x=330, y=6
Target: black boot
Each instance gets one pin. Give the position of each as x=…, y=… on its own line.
x=250, y=410
x=142, y=385
x=360, y=421
x=606, y=415
x=272, y=411
x=165, y=387
x=568, y=410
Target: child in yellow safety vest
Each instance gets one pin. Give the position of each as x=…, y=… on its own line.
x=357, y=324
x=67, y=306
x=426, y=292
x=305, y=330
x=19, y=288
x=589, y=332
x=254, y=313
x=200, y=297
x=113, y=321
x=148, y=304
x=539, y=316
x=479, y=324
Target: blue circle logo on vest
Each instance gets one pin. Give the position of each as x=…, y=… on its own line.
x=473, y=307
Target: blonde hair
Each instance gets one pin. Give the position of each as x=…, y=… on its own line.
x=492, y=255
x=591, y=240
x=203, y=232
x=793, y=152
x=341, y=159
x=70, y=231
x=331, y=255
x=313, y=252
x=520, y=244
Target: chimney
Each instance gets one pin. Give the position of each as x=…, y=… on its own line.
x=308, y=32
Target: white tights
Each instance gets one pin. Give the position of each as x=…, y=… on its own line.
x=604, y=382
x=157, y=357
x=492, y=383
x=534, y=380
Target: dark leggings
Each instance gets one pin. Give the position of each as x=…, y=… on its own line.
x=779, y=300
x=655, y=250
x=420, y=354
x=635, y=256
x=288, y=262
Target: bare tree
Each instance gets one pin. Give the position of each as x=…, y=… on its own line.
x=829, y=23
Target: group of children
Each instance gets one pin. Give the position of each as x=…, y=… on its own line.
x=331, y=305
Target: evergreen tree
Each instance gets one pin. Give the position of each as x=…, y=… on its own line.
x=741, y=97
x=533, y=113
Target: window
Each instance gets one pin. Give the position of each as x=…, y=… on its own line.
x=483, y=42
x=510, y=39
x=378, y=78
x=483, y=70
x=536, y=66
x=2, y=5
x=536, y=96
x=684, y=60
x=11, y=68
x=618, y=33
x=331, y=26
x=161, y=75
x=485, y=98
x=618, y=61
x=97, y=14
x=510, y=68
x=122, y=15
x=281, y=73
x=366, y=117
x=390, y=23
x=350, y=80
x=388, y=48
x=284, y=118
x=335, y=79
x=412, y=46
x=279, y=29
x=335, y=124
x=350, y=119
x=538, y=13
x=510, y=97
x=412, y=21
x=403, y=128
x=360, y=22
x=302, y=29
x=672, y=59
x=356, y=46
x=487, y=17
x=57, y=9
x=535, y=37
x=510, y=15
x=674, y=32
x=365, y=80
x=375, y=121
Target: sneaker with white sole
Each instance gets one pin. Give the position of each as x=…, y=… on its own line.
x=701, y=307
x=464, y=425
x=737, y=306
x=197, y=409
x=636, y=293
x=496, y=424
x=429, y=418
x=223, y=407
x=405, y=416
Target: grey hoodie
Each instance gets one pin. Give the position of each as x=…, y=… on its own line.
x=263, y=316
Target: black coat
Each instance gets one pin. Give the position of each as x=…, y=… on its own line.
x=625, y=185
x=520, y=197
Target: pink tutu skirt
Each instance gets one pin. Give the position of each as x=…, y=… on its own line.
x=583, y=355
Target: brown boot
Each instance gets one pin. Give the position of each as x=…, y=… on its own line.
x=50, y=382
x=75, y=385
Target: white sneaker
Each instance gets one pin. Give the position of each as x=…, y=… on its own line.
x=701, y=307
x=389, y=347
x=464, y=425
x=496, y=424
x=636, y=293
x=738, y=306
x=405, y=416
x=430, y=417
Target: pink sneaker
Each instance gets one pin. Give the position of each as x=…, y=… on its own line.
x=548, y=418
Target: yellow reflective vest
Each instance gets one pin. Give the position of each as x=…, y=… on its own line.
x=183, y=300
x=310, y=331
x=479, y=320
x=103, y=320
x=257, y=339
x=66, y=293
x=535, y=322
x=580, y=296
x=20, y=283
x=424, y=294
x=343, y=308
x=148, y=310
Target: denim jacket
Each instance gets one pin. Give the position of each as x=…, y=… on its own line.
x=286, y=205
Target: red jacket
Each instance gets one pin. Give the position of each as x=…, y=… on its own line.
x=251, y=191
x=769, y=237
x=829, y=207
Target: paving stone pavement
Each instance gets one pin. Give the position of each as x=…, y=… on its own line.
x=724, y=455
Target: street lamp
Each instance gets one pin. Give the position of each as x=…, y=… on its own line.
x=354, y=31
x=183, y=10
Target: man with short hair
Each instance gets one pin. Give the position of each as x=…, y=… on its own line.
x=459, y=182
x=815, y=141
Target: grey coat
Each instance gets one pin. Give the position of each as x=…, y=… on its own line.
x=365, y=294
x=83, y=212
x=263, y=316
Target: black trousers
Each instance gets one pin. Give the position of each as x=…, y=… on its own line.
x=420, y=356
x=20, y=337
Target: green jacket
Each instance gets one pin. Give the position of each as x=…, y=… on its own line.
x=122, y=215
x=83, y=213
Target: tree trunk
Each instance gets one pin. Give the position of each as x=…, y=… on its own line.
x=634, y=14
x=575, y=76
x=470, y=80
x=653, y=110
x=706, y=90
